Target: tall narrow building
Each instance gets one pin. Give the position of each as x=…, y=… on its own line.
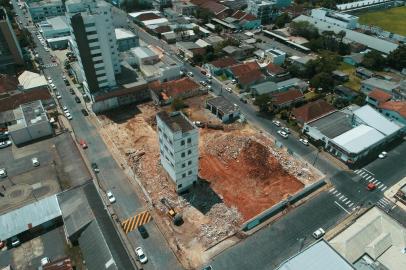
x=10, y=50
x=94, y=43
x=179, y=148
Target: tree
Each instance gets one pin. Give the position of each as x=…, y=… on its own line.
x=374, y=60
x=304, y=29
x=327, y=62
x=323, y=81
x=263, y=102
x=177, y=104
x=281, y=20
x=397, y=58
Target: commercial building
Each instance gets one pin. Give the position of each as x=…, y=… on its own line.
x=395, y=110
x=335, y=18
x=183, y=7
x=144, y=56
x=311, y=111
x=94, y=44
x=166, y=69
x=31, y=123
x=179, y=148
x=54, y=27
x=362, y=5
x=125, y=39
x=223, y=109
x=377, y=97
x=40, y=10
x=30, y=80
x=10, y=50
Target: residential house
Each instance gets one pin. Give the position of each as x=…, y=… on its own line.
x=164, y=93
x=376, y=97
x=264, y=88
x=345, y=93
x=240, y=52
x=247, y=74
x=190, y=49
x=217, y=67
x=286, y=99
x=214, y=40
x=395, y=110
x=218, y=10
x=301, y=62
x=292, y=83
x=354, y=59
x=184, y=7
x=223, y=109
x=364, y=73
x=340, y=76
x=245, y=20
x=276, y=73
x=311, y=111
x=373, y=83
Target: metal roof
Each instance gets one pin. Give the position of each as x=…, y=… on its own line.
x=318, y=256
x=34, y=214
x=372, y=118
x=358, y=139
x=381, y=84
x=370, y=41
x=333, y=124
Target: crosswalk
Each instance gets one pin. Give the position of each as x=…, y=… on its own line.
x=385, y=204
x=369, y=177
x=342, y=200
x=50, y=65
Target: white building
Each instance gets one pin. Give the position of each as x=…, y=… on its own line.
x=144, y=56
x=40, y=10
x=54, y=27
x=264, y=10
x=344, y=20
x=94, y=43
x=179, y=148
x=126, y=39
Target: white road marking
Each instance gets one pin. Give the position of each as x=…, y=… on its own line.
x=368, y=177
x=359, y=172
x=341, y=197
x=334, y=192
x=341, y=207
x=345, y=199
x=332, y=189
x=385, y=187
x=368, y=171
x=381, y=185
x=365, y=175
x=362, y=173
x=370, y=180
x=347, y=203
x=338, y=194
x=351, y=205
x=376, y=180
x=356, y=171
x=355, y=208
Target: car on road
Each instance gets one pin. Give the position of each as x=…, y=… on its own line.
x=84, y=112
x=203, y=83
x=382, y=155
x=208, y=75
x=209, y=87
x=52, y=86
x=65, y=109
x=3, y=173
x=58, y=96
x=243, y=100
x=276, y=123
x=72, y=91
x=67, y=83
x=49, y=79
x=95, y=167
x=371, y=186
x=318, y=233
x=46, y=49
x=190, y=74
x=111, y=197
x=68, y=115
x=304, y=141
x=233, y=81
x=209, y=267
x=143, y=231
x=228, y=89
x=287, y=130
x=77, y=99
x=83, y=144
x=35, y=162
x=15, y=241
x=283, y=134
x=45, y=261
x=141, y=255
x=5, y=144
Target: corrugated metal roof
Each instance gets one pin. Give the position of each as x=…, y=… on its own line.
x=374, y=119
x=319, y=256
x=37, y=213
x=358, y=139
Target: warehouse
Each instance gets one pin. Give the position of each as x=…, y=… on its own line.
x=223, y=109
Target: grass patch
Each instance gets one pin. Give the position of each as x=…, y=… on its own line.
x=354, y=82
x=392, y=20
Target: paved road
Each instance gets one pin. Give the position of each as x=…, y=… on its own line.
x=111, y=175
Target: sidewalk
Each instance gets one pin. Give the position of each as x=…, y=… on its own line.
x=390, y=193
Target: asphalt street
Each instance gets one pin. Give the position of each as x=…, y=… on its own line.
x=111, y=175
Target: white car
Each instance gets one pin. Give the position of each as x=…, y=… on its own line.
x=318, y=233
x=141, y=255
x=68, y=115
x=5, y=144
x=190, y=74
x=45, y=261
x=228, y=89
x=304, y=141
x=276, y=123
x=111, y=197
x=65, y=109
x=233, y=81
x=286, y=130
x=3, y=173
x=49, y=80
x=15, y=241
x=382, y=155
x=52, y=86
x=35, y=162
x=208, y=75
x=283, y=134
x=58, y=96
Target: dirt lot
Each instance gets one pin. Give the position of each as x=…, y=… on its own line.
x=242, y=174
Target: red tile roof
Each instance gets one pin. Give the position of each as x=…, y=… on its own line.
x=379, y=95
x=212, y=6
x=162, y=29
x=241, y=15
x=147, y=16
x=397, y=106
x=288, y=96
x=224, y=62
x=8, y=83
x=13, y=101
x=247, y=73
x=312, y=110
x=275, y=69
x=174, y=88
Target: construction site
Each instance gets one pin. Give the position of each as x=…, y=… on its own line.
x=241, y=173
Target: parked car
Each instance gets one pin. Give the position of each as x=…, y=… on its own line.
x=45, y=261
x=228, y=89
x=15, y=241
x=84, y=112
x=83, y=144
x=35, y=162
x=65, y=109
x=304, y=141
x=77, y=99
x=3, y=173
x=111, y=197
x=209, y=267
x=382, y=155
x=318, y=233
x=49, y=79
x=190, y=74
x=141, y=255
x=95, y=167
x=233, y=81
x=5, y=144
x=209, y=75
x=143, y=231
x=68, y=115
x=283, y=134
x=287, y=130
x=58, y=96
x=276, y=123
x=72, y=91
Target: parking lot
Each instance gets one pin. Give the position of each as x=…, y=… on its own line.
x=29, y=253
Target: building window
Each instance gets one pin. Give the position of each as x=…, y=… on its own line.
x=183, y=165
x=189, y=140
x=182, y=142
x=101, y=75
x=91, y=32
x=103, y=81
x=96, y=54
x=93, y=40
x=189, y=172
x=94, y=48
x=183, y=175
x=189, y=162
x=183, y=154
x=89, y=24
x=99, y=68
x=189, y=152
x=180, y=185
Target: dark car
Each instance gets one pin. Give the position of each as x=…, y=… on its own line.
x=95, y=167
x=243, y=100
x=77, y=99
x=71, y=91
x=67, y=83
x=84, y=112
x=143, y=231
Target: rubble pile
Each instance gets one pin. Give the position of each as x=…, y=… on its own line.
x=256, y=159
x=223, y=223
x=226, y=147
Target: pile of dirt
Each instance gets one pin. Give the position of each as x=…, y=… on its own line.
x=225, y=146
x=256, y=158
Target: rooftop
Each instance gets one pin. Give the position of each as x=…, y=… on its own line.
x=224, y=62
x=143, y=52
x=285, y=97
x=333, y=124
x=44, y=3
x=291, y=82
x=397, y=106
x=176, y=121
x=122, y=33
x=312, y=110
x=379, y=95
x=381, y=84
x=223, y=105
x=373, y=118
x=247, y=73
x=30, y=80
x=55, y=23
x=8, y=83
x=146, y=16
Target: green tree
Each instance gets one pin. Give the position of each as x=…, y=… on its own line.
x=327, y=62
x=263, y=102
x=304, y=29
x=374, y=60
x=178, y=104
x=281, y=20
x=397, y=58
x=322, y=81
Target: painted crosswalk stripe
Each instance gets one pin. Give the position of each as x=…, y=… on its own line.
x=362, y=173
x=347, y=203
x=375, y=181
x=385, y=187
x=368, y=177
x=356, y=171
x=341, y=197
x=338, y=194
x=351, y=205
x=345, y=199
x=332, y=189
x=334, y=192
x=381, y=185
x=370, y=180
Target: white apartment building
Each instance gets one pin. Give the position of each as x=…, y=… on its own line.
x=40, y=10
x=333, y=17
x=94, y=43
x=264, y=10
x=179, y=148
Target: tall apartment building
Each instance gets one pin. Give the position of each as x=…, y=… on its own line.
x=179, y=148
x=263, y=9
x=94, y=43
x=10, y=50
x=40, y=10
